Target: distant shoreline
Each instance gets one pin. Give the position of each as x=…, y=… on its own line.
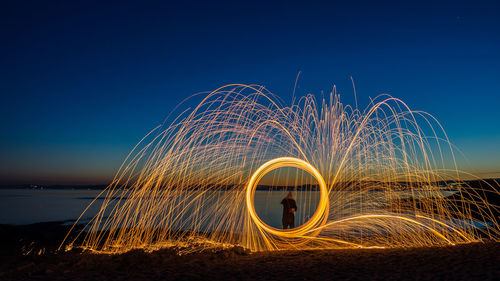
x=65, y=186
x=443, y=184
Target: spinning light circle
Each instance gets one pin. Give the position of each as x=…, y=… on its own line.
x=317, y=219
x=189, y=183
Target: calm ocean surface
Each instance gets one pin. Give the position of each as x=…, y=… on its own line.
x=27, y=206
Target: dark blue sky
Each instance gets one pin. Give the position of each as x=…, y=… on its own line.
x=83, y=81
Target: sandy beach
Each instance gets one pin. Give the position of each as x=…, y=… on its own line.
x=40, y=261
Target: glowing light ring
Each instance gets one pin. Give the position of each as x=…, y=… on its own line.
x=168, y=186
x=317, y=219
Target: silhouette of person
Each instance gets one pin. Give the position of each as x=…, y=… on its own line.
x=289, y=208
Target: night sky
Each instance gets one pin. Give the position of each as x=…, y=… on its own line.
x=82, y=81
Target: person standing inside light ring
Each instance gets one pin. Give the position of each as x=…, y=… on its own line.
x=289, y=209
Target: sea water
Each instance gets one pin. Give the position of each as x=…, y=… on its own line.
x=27, y=206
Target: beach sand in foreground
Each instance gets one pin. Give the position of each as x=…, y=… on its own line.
x=475, y=261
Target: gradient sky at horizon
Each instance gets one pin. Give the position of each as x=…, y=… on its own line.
x=84, y=81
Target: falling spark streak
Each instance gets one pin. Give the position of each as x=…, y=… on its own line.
x=192, y=183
